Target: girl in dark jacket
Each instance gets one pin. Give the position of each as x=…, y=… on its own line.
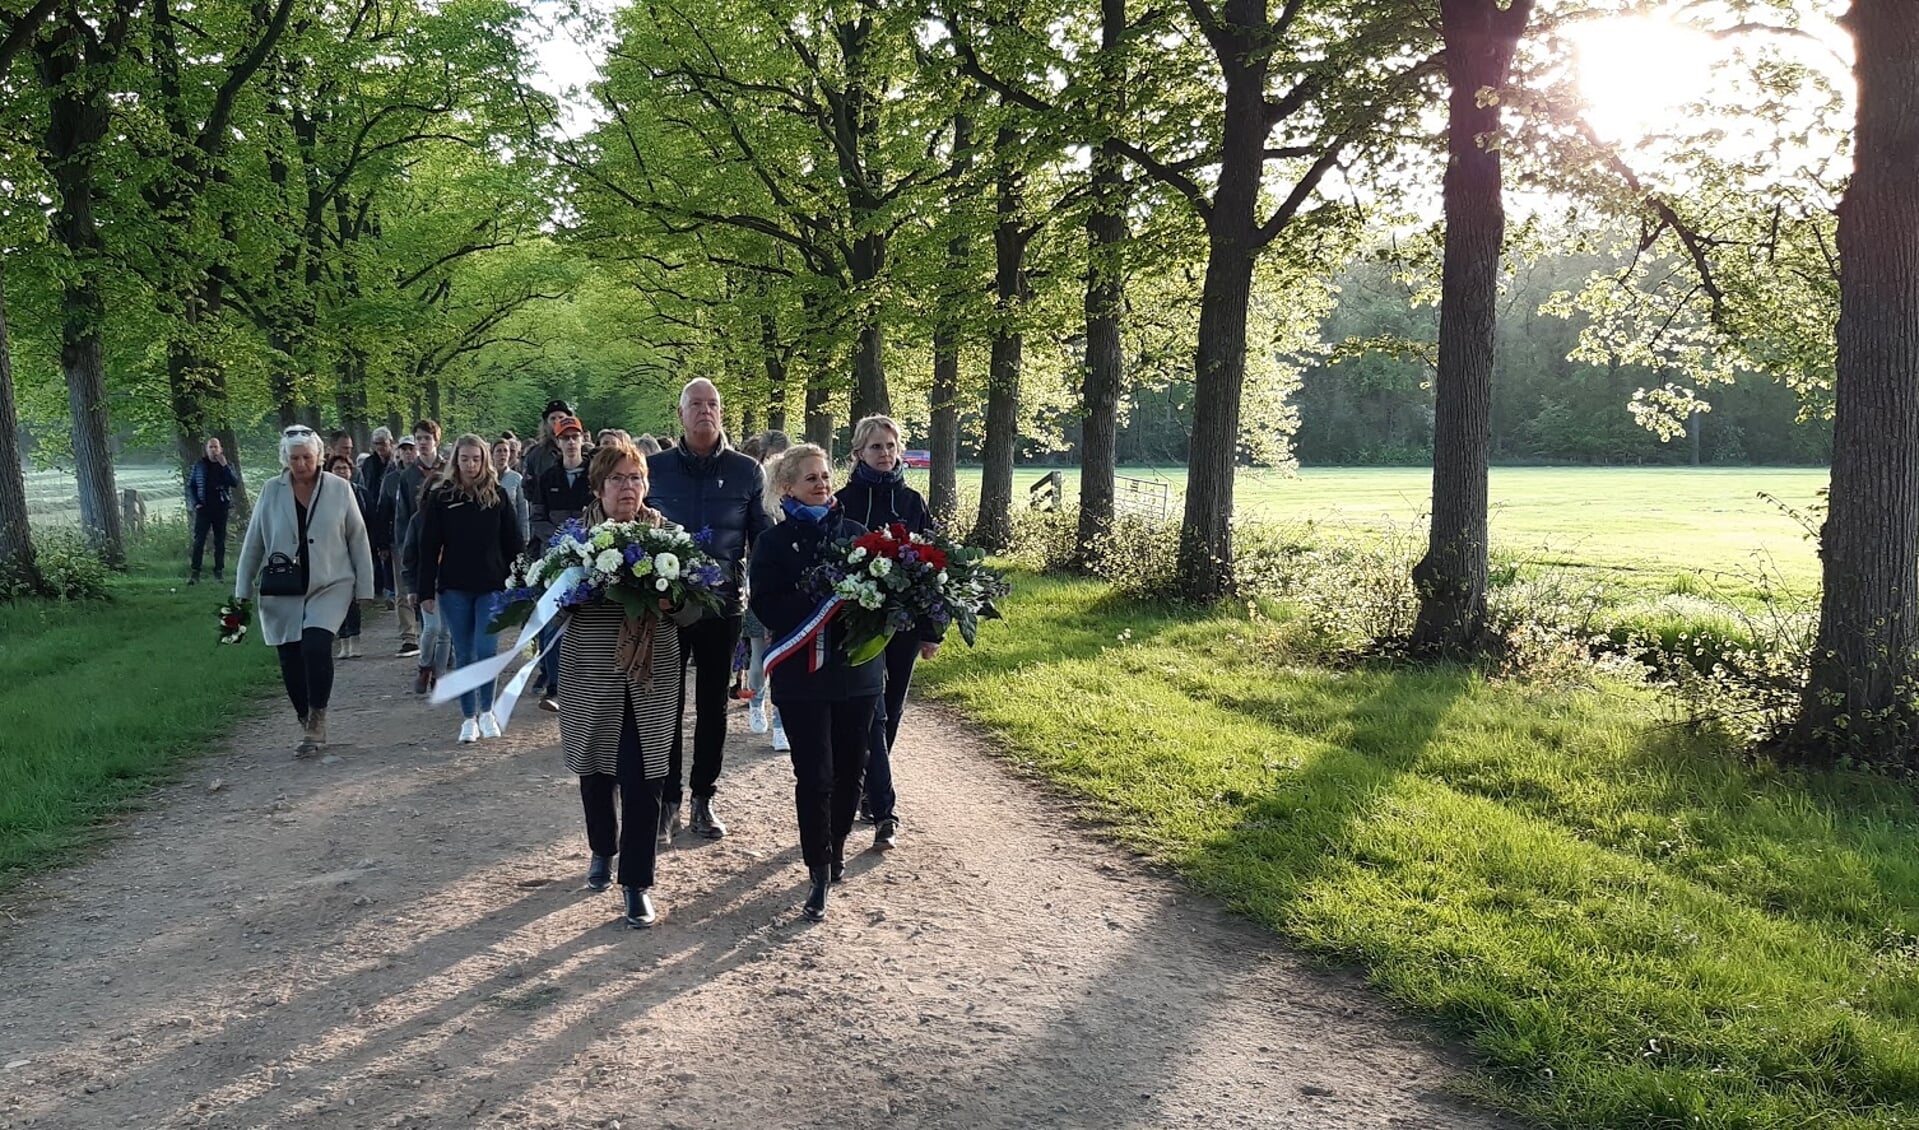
x=878, y=496
x=827, y=712
x=469, y=535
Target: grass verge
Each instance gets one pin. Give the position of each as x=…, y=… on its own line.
x=1627, y=925
x=100, y=700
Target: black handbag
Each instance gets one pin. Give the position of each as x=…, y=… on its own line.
x=286, y=575
x=283, y=576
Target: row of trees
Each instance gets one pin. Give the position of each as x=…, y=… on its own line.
x=1007, y=209
x=222, y=211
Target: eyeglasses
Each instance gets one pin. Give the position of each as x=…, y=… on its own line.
x=296, y=430
x=627, y=480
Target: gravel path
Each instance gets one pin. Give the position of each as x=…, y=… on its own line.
x=398, y=937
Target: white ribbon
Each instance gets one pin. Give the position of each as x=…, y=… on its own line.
x=475, y=675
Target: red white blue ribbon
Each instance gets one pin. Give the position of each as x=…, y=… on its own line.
x=812, y=631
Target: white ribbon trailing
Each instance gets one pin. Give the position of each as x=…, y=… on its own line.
x=475, y=675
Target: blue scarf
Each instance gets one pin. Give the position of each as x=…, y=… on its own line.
x=800, y=512
x=868, y=476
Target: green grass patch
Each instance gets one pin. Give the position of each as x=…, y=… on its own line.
x=1629, y=927
x=101, y=700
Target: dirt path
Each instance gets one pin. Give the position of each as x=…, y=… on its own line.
x=399, y=938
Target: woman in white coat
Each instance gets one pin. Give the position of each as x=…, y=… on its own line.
x=309, y=532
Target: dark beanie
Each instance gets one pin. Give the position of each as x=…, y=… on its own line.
x=553, y=406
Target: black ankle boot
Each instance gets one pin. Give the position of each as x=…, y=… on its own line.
x=815, y=907
x=839, y=859
x=639, y=908
x=599, y=873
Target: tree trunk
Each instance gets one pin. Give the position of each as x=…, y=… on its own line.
x=819, y=410
x=775, y=364
x=942, y=491
x=76, y=126
x=1105, y=298
x=869, y=367
x=1859, y=699
x=994, y=529
x=1451, y=579
x=1233, y=241
x=17, y=566
x=942, y=496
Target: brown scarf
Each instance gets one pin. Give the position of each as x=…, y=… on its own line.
x=634, y=657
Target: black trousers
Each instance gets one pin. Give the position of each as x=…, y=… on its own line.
x=306, y=668
x=210, y=520
x=829, y=757
x=708, y=645
x=633, y=835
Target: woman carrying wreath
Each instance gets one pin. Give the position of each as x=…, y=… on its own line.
x=878, y=497
x=619, y=698
x=827, y=712
x=307, y=539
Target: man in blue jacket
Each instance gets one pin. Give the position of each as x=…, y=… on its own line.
x=210, y=484
x=704, y=485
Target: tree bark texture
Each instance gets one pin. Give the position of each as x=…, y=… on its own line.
x=76, y=125
x=942, y=495
x=17, y=566
x=775, y=365
x=1105, y=297
x=1860, y=698
x=994, y=529
x=1451, y=579
x=1233, y=241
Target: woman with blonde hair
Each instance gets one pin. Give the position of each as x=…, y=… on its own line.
x=307, y=555
x=876, y=495
x=469, y=535
x=827, y=712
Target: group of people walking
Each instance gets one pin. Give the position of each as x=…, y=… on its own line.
x=437, y=534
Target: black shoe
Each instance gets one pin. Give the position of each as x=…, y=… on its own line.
x=408, y=650
x=422, y=680
x=837, y=871
x=550, y=703
x=194, y=579
x=599, y=873
x=866, y=812
x=669, y=820
x=815, y=907
x=704, y=822
x=639, y=908
x=219, y=575
x=886, y=835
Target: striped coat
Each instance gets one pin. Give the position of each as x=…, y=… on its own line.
x=593, y=690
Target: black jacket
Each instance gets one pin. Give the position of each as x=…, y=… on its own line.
x=781, y=557
x=210, y=485
x=720, y=492
x=372, y=473
x=874, y=506
x=554, y=500
x=464, y=546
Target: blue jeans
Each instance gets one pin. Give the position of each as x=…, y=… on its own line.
x=466, y=615
x=550, y=662
x=901, y=653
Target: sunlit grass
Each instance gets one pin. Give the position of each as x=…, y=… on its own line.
x=1628, y=927
x=101, y=699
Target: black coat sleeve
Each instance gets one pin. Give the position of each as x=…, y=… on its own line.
x=432, y=538
x=773, y=583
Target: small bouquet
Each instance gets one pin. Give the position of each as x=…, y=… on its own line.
x=630, y=562
x=888, y=580
x=235, y=615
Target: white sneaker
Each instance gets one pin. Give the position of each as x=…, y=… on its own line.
x=489, y=725
x=756, y=717
x=780, y=744
x=469, y=732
